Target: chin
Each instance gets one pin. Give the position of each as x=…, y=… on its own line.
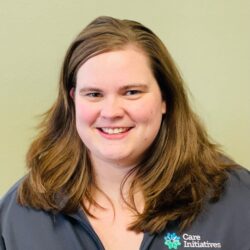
x=121, y=159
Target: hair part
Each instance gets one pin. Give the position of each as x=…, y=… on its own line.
x=180, y=171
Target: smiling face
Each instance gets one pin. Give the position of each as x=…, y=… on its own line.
x=118, y=106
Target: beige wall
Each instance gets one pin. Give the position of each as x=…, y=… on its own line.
x=209, y=39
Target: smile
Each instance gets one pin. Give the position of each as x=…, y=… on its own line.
x=112, y=131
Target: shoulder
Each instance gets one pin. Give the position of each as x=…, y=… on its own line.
x=237, y=187
x=10, y=210
x=235, y=197
x=14, y=217
x=240, y=176
x=224, y=224
x=23, y=226
x=9, y=214
x=9, y=200
x=229, y=218
x=234, y=203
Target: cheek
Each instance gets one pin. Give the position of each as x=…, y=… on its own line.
x=85, y=114
x=149, y=112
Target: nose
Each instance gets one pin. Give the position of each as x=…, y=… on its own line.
x=112, y=108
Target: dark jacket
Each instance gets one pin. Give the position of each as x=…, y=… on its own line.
x=222, y=225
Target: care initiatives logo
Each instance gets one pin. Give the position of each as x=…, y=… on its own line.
x=190, y=241
x=172, y=241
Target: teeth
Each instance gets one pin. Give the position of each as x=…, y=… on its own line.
x=112, y=131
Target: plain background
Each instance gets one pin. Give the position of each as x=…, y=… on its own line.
x=209, y=40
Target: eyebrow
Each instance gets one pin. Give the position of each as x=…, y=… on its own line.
x=89, y=89
x=125, y=87
x=135, y=85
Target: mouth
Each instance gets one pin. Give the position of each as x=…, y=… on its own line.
x=114, y=131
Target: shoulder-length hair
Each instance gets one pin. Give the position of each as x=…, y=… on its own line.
x=180, y=171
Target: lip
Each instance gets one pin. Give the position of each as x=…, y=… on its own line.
x=114, y=136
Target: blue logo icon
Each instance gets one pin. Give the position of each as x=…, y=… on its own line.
x=172, y=241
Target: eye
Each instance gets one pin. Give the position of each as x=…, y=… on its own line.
x=133, y=92
x=94, y=94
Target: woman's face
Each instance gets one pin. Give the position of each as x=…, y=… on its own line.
x=118, y=106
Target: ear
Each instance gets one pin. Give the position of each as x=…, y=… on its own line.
x=72, y=93
x=163, y=107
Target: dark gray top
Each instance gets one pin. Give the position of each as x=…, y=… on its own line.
x=222, y=225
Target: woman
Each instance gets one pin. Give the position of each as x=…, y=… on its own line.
x=121, y=161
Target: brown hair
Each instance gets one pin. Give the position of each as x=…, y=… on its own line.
x=180, y=171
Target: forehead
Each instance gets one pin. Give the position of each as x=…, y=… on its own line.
x=128, y=64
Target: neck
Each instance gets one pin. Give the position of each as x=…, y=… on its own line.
x=109, y=178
